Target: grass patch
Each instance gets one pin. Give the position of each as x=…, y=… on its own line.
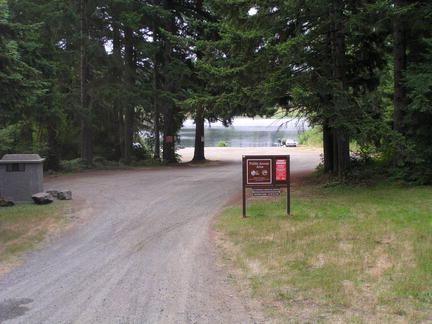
x=25, y=225
x=345, y=253
x=313, y=137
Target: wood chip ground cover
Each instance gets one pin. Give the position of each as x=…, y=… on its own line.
x=346, y=254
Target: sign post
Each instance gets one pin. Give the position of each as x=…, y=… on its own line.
x=266, y=175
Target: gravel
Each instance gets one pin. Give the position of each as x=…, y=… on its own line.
x=142, y=250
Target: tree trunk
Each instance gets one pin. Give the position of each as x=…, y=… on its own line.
x=341, y=158
x=155, y=84
x=53, y=160
x=128, y=134
x=199, y=139
x=328, y=148
x=343, y=153
x=86, y=113
x=199, y=118
x=117, y=76
x=26, y=136
x=156, y=153
x=130, y=109
x=121, y=132
x=169, y=136
x=400, y=65
x=327, y=102
x=335, y=151
x=169, y=119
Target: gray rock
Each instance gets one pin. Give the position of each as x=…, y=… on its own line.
x=5, y=202
x=42, y=198
x=52, y=192
x=64, y=195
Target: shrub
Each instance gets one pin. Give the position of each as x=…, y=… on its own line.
x=74, y=165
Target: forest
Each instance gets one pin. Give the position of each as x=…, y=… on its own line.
x=114, y=79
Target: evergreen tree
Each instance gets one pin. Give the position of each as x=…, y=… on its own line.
x=20, y=85
x=307, y=57
x=412, y=88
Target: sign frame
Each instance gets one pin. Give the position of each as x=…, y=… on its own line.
x=273, y=183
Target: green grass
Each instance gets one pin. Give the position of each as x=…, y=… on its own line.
x=344, y=253
x=25, y=225
x=314, y=137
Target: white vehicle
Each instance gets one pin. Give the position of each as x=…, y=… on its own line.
x=290, y=143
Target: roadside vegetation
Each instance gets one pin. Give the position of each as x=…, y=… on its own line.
x=282, y=113
x=222, y=144
x=23, y=226
x=348, y=254
x=312, y=137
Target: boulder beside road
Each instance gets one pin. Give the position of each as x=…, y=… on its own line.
x=60, y=194
x=42, y=198
x=5, y=202
x=64, y=195
x=52, y=192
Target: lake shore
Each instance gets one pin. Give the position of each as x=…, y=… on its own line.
x=246, y=132
x=234, y=154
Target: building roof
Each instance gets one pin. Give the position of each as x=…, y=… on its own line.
x=21, y=158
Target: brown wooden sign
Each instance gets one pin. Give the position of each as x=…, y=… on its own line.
x=266, y=174
x=259, y=171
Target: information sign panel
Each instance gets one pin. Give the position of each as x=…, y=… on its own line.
x=266, y=192
x=281, y=169
x=259, y=171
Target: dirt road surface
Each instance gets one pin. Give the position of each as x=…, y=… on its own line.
x=142, y=251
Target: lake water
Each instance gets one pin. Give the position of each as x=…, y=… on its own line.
x=246, y=132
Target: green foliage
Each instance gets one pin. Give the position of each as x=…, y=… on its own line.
x=71, y=165
x=222, y=144
x=312, y=137
x=150, y=64
x=139, y=66
x=17, y=138
x=8, y=136
x=418, y=118
x=19, y=79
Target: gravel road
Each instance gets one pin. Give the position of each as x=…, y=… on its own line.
x=142, y=252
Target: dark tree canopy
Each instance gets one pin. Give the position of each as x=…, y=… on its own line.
x=114, y=79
